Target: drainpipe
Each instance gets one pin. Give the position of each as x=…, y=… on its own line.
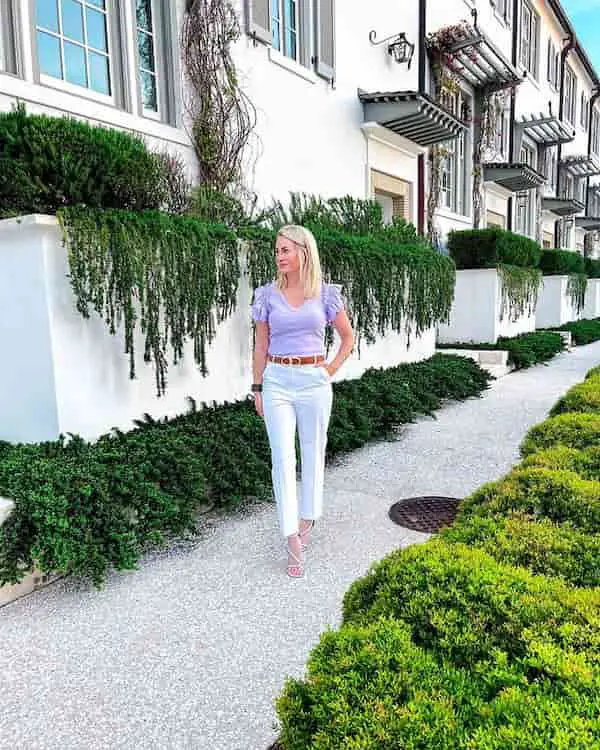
x=421, y=158
x=513, y=101
x=564, y=53
x=593, y=100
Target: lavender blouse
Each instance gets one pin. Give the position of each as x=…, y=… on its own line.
x=298, y=331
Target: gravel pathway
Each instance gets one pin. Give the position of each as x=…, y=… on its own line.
x=191, y=650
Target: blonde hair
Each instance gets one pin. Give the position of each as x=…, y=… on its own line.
x=308, y=254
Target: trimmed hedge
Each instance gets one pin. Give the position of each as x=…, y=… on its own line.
x=561, y=496
x=488, y=248
x=592, y=268
x=525, y=350
x=583, y=331
x=84, y=508
x=561, y=262
x=463, y=605
x=584, y=397
x=572, y=430
x=541, y=546
x=584, y=462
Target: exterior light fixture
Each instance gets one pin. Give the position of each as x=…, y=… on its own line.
x=399, y=48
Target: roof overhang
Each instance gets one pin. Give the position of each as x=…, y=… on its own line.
x=477, y=59
x=412, y=115
x=514, y=177
x=580, y=166
x=562, y=206
x=546, y=130
x=588, y=223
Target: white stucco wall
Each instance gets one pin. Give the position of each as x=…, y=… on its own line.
x=62, y=373
x=554, y=307
x=592, y=300
x=476, y=311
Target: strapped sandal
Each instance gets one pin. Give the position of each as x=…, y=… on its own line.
x=304, y=535
x=295, y=569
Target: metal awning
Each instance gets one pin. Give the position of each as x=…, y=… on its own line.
x=412, y=115
x=580, y=165
x=589, y=223
x=480, y=62
x=562, y=206
x=514, y=177
x=546, y=130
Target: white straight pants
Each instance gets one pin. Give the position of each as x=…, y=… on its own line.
x=297, y=396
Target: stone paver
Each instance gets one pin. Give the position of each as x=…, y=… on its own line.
x=191, y=650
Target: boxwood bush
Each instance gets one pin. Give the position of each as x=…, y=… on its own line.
x=561, y=262
x=592, y=268
x=561, y=496
x=47, y=163
x=540, y=545
x=584, y=397
x=585, y=462
x=488, y=248
x=572, y=430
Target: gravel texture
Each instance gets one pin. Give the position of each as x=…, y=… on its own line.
x=191, y=650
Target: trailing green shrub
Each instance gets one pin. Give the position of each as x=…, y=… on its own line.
x=561, y=496
x=47, y=163
x=584, y=462
x=85, y=508
x=463, y=605
x=561, y=262
x=572, y=430
x=520, y=290
x=542, y=546
x=583, y=331
x=371, y=688
x=584, y=397
x=488, y=248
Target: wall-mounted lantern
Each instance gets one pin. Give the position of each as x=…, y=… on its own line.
x=399, y=48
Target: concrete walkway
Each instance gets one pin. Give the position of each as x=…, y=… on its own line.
x=192, y=650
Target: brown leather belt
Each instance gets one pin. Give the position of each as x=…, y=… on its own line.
x=314, y=359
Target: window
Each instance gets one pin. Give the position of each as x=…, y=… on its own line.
x=8, y=47
x=550, y=168
x=393, y=195
x=547, y=240
x=525, y=201
x=553, y=66
x=596, y=132
x=584, y=112
x=453, y=177
x=503, y=9
x=285, y=24
x=501, y=136
x=494, y=219
x=73, y=43
x=529, y=35
x=570, y=96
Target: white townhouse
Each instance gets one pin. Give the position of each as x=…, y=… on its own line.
x=346, y=99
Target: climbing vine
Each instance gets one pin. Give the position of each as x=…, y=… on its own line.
x=520, y=291
x=221, y=114
x=175, y=278
x=576, y=288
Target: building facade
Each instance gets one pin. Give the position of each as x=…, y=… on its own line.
x=348, y=100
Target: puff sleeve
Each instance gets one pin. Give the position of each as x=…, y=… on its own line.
x=260, y=305
x=332, y=300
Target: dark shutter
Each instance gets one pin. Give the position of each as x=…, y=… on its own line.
x=325, y=38
x=258, y=20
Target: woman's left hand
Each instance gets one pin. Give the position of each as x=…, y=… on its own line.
x=329, y=369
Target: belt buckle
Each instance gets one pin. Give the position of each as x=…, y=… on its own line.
x=286, y=360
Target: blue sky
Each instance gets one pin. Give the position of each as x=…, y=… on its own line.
x=585, y=15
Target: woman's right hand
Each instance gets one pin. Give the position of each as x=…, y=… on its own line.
x=258, y=404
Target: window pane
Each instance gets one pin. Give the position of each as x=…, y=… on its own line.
x=144, y=14
x=75, y=71
x=96, y=30
x=146, y=50
x=276, y=24
x=72, y=20
x=49, y=55
x=99, y=73
x=47, y=14
x=289, y=22
x=149, y=91
x=97, y=3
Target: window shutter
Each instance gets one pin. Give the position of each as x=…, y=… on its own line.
x=550, y=75
x=258, y=20
x=325, y=38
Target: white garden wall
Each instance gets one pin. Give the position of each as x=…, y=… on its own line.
x=554, y=306
x=592, y=300
x=61, y=373
x=476, y=311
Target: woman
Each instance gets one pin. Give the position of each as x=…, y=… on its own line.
x=292, y=380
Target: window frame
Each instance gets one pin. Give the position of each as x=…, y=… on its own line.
x=281, y=21
x=454, y=173
x=114, y=56
x=595, y=126
x=10, y=51
x=503, y=10
x=530, y=61
x=570, y=96
x=584, y=106
x=552, y=65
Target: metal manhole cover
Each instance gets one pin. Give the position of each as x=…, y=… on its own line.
x=427, y=514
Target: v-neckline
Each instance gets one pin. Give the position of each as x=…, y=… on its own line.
x=285, y=299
